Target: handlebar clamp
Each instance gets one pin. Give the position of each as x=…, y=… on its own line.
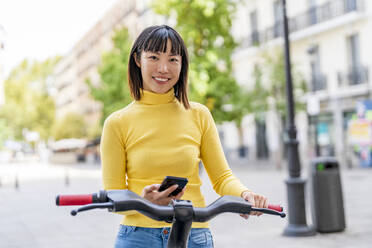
x=183, y=210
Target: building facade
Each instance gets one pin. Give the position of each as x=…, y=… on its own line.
x=330, y=47
x=2, y=47
x=81, y=63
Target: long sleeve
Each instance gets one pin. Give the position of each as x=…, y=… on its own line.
x=113, y=156
x=219, y=172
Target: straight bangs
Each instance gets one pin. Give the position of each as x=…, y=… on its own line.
x=158, y=39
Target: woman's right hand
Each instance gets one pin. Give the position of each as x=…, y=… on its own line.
x=151, y=193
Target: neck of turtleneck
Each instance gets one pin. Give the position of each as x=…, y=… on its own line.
x=152, y=98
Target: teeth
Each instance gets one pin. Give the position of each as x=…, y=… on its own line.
x=161, y=79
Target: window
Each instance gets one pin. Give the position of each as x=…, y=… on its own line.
x=254, y=28
x=312, y=12
x=317, y=78
x=278, y=19
x=353, y=50
x=356, y=73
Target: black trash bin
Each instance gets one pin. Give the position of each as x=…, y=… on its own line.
x=327, y=201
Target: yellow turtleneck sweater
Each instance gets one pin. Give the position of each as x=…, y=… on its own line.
x=157, y=137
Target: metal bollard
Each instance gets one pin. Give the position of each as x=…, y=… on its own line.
x=16, y=182
x=67, y=178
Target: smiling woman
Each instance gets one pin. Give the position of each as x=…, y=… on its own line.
x=162, y=134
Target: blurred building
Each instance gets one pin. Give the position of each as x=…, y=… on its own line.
x=81, y=63
x=2, y=47
x=330, y=45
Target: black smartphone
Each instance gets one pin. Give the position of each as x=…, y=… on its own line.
x=169, y=181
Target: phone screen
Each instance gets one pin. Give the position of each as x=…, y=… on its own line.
x=169, y=181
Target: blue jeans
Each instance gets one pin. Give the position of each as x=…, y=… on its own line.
x=141, y=237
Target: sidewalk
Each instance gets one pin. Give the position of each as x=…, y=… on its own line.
x=266, y=231
x=30, y=218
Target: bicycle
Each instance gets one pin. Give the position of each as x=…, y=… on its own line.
x=180, y=213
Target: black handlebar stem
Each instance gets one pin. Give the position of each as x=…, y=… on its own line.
x=183, y=216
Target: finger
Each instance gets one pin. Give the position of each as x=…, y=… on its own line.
x=156, y=186
x=255, y=213
x=150, y=188
x=179, y=195
x=263, y=204
x=260, y=201
x=245, y=216
x=165, y=193
x=147, y=189
x=250, y=199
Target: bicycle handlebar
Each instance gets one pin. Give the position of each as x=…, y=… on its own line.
x=125, y=200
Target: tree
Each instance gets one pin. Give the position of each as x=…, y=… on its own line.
x=113, y=90
x=28, y=105
x=205, y=27
x=5, y=132
x=71, y=125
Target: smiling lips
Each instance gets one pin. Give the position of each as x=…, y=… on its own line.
x=161, y=80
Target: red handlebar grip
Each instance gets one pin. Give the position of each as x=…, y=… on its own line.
x=70, y=200
x=275, y=207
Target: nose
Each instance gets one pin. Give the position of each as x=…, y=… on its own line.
x=163, y=67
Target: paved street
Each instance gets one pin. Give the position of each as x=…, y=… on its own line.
x=29, y=217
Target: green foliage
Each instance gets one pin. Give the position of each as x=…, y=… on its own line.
x=205, y=26
x=94, y=131
x=72, y=125
x=27, y=102
x=113, y=91
x=5, y=132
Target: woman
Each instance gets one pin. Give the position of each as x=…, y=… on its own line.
x=162, y=134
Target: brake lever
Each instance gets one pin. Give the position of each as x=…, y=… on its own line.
x=108, y=205
x=269, y=211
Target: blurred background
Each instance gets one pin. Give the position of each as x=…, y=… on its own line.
x=63, y=71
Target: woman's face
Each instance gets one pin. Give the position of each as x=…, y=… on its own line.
x=160, y=71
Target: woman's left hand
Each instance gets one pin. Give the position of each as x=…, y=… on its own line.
x=257, y=200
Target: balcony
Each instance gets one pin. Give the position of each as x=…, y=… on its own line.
x=318, y=82
x=325, y=12
x=313, y=16
x=353, y=76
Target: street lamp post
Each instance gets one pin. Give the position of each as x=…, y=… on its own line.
x=295, y=184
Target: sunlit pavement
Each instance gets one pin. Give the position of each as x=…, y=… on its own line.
x=29, y=217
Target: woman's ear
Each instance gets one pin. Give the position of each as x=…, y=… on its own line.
x=136, y=60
